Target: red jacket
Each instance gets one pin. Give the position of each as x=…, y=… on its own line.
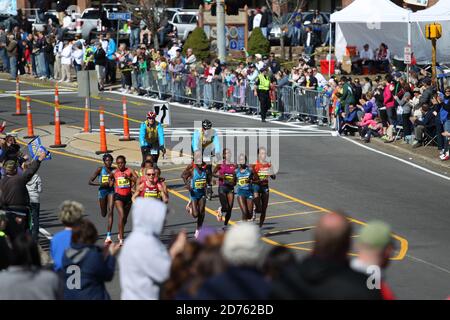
x=389, y=101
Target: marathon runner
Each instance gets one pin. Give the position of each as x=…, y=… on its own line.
x=162, y=181
x=244, y=191
x=151, y=137
x=200, y=141
x=149, y=187
x=263, y=170
x=105, y=191
x=147, y=164
x=123, y=179
x=194, y=177
x=225, y=172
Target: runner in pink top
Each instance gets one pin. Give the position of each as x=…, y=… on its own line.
x=225, y=172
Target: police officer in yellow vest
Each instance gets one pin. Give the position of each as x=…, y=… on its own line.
x=262, y=87
x=151, y=137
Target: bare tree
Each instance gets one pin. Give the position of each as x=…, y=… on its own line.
x=151, y=12
x=279, y=10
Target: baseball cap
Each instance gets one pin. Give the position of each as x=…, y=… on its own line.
x=376, y=234
x=416, y=90
x=10, y=165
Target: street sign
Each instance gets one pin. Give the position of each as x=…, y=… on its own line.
x=162, y=113
x=87, y=83
x=407, y=55
x=119, y=16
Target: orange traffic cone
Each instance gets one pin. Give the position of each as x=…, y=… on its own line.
x=103, y=147
x=86, y=116
x=18, y=101
x=58, y=143
x=29, y=121
x=56, y=105
x=126, y=128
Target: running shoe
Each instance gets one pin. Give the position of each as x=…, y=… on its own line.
x=445, y=156
x=219, y=214
x=108, y=241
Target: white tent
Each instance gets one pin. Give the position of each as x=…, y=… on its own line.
x=371, y=22
x=440, y=13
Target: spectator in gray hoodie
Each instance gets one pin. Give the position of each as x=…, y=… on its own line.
x=34, y=187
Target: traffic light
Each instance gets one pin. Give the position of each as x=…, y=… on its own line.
x=232, y=7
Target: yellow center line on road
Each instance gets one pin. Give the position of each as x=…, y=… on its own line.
x=293, y=214
x=312, y=241
x=403, y=242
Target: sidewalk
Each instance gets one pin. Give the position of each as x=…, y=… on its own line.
x=86, y=144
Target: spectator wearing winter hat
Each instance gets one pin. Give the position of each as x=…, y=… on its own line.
x=375, y=247
x=241, y=250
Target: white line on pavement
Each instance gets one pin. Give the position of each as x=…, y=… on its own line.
x=399, y=159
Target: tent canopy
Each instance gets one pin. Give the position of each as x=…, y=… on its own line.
x=369, y=11
x=371, y=22
x=439, y=12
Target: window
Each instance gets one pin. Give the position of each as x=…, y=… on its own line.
x=91, y=14
x=186, y=19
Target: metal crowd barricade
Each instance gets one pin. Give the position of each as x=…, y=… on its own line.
x=292, y=102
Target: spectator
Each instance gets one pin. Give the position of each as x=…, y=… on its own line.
x=347, y=98
x=424, y=123
x=135, y=30
x=111, y=60
x=25, y=279
x=297, y=36
x=5, y=250
x=366, y=58
x=264, y=24
x=389, y=103
x=383, y=58
x=66, y=62
x=317, y=23
x=241, y=280
x=310, y=41
x=3, y=52
x=61, y=7
x=88, y=57
x=190, y=59
x=49, y=57
x=257, y=19
x=125, y=60
x=276, y=260
x=144, y=262
x=77, y=57
x=250, y=17
x=34, y=187
x=100, y=65
x=404, y=109
x=12, y=51
x=274, y=65
x=95, y=265
x=14, y=197
x=375, y=248
x=325, y=274
x=70, y=215
x=321, y=81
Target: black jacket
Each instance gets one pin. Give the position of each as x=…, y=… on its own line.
x=100, y=57
x=13, y=189
x=318, y=279
x=314, y=41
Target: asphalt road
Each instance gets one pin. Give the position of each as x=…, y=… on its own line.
x=317, y=172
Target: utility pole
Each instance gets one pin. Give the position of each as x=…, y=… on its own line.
x=220, y=9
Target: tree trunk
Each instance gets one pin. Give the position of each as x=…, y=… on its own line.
x=283, y=56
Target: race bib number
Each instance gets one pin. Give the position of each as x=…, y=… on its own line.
x=229, y=178
x=123, y=183
x=154, y=152
x=242, y=182
x=206, y=159
x=105, y=179
x=200, y=184
x=151, y=194
x=263, y=174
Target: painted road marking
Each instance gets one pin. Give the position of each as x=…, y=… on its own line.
x=293, y=214
x=312, y=241
x=270, y=233
x=270, y=204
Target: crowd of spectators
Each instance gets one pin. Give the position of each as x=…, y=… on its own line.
x=225, y=265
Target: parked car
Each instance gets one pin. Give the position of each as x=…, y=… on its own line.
x=184, y=20
x=39, y=25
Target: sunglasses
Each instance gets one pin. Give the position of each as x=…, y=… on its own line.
x=150, y=174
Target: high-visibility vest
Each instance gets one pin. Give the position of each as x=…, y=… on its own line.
x=264, y=82
x=151, y=133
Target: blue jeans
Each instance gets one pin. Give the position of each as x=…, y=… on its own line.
x=264, y=31
x=207, y=95
x=41, y=67
x=5, y=59
x=296, y=34
x=13, y=67
x=134, y=38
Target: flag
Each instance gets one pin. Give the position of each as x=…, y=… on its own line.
x=34, y=146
